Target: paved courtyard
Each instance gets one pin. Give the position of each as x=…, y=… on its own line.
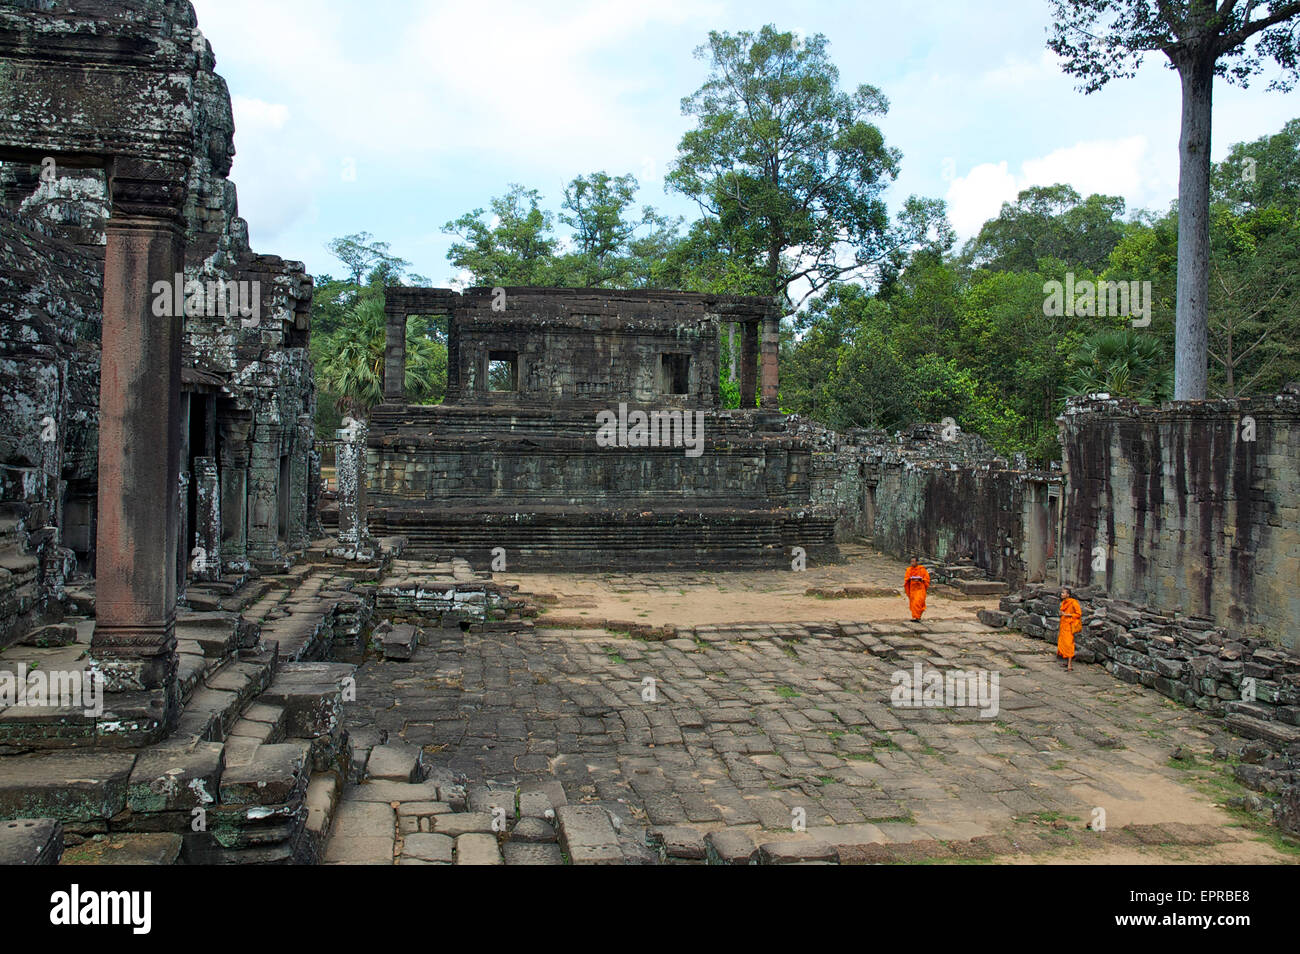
x=784, y=733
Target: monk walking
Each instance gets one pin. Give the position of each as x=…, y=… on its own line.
x=915, y=582
x=1071, y=624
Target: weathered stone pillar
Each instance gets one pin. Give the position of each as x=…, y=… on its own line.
x=350, y=466
x=207, y=518
x=771, y=353
x=134, y=643
x=314, y=529
x=394, y=355
x=183, y=533
x=234, y=493
x=748, y=363
x=300, y=476
x=263, y=497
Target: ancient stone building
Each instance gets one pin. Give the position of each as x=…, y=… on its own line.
x=583, y=428
x=246, y=465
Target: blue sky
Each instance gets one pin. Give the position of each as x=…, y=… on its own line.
x=395, y=116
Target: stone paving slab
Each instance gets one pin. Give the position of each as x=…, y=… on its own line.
x=761, y=734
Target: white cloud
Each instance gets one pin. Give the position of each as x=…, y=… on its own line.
x=1106, y=166
x=257, y=116
x=977, y=196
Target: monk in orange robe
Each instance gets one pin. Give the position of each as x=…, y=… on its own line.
x=915, y=582
x=1071, y=624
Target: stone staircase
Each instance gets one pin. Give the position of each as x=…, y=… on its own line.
x=252, y=770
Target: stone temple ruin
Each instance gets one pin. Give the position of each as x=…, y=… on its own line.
x=160, y=487
x=514, y=458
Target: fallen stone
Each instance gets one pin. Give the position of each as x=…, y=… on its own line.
x=396, y=762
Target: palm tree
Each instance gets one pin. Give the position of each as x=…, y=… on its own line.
x=1122, y=363
x=350, y=362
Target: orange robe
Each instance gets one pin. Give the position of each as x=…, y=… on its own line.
x=1071, y=623
x=916, y=580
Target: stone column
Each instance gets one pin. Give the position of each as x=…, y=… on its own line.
x=771, y=351
x=184, y=554
x=134, y=643
x=207, y=518
x=350, y=466
x=748, y=363
x=263, y=497
x=300, y=477
x=234, y=493
x=394, y=355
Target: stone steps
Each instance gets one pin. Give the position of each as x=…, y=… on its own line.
x=256, y=734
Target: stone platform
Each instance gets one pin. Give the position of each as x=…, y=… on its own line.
x=535, y=483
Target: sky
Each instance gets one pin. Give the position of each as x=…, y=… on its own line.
x=395, y=117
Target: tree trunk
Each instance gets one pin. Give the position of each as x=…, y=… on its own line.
x=1191, y=359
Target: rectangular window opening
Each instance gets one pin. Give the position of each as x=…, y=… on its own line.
x=503, y=371
x=674, y=373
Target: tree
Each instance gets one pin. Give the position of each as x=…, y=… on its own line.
x=1050, y=222
x=791, y=167
x=1122, y=363
x=1102, y=40
x=363, y=257
x=1262, y=173
x=350, y=362
x=1254, y=318
x=516, y=246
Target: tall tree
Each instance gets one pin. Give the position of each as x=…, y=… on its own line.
x=365, y=257
x=515, y=246
x=1101, y=40
x=609, y=247
x=793, y=168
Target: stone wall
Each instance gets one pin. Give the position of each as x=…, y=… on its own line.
x=584, y=345
x=944, y=500
x=1193, y=507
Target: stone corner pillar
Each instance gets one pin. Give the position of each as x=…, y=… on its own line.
x=134, y=643
x=770, y=400
x=394, y=353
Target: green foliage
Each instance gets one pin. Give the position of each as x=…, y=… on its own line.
x=1050, y=222
x=350, y=362
x=790, y=170
x=1123, y=363
x=514, y=246
x=966, y=336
